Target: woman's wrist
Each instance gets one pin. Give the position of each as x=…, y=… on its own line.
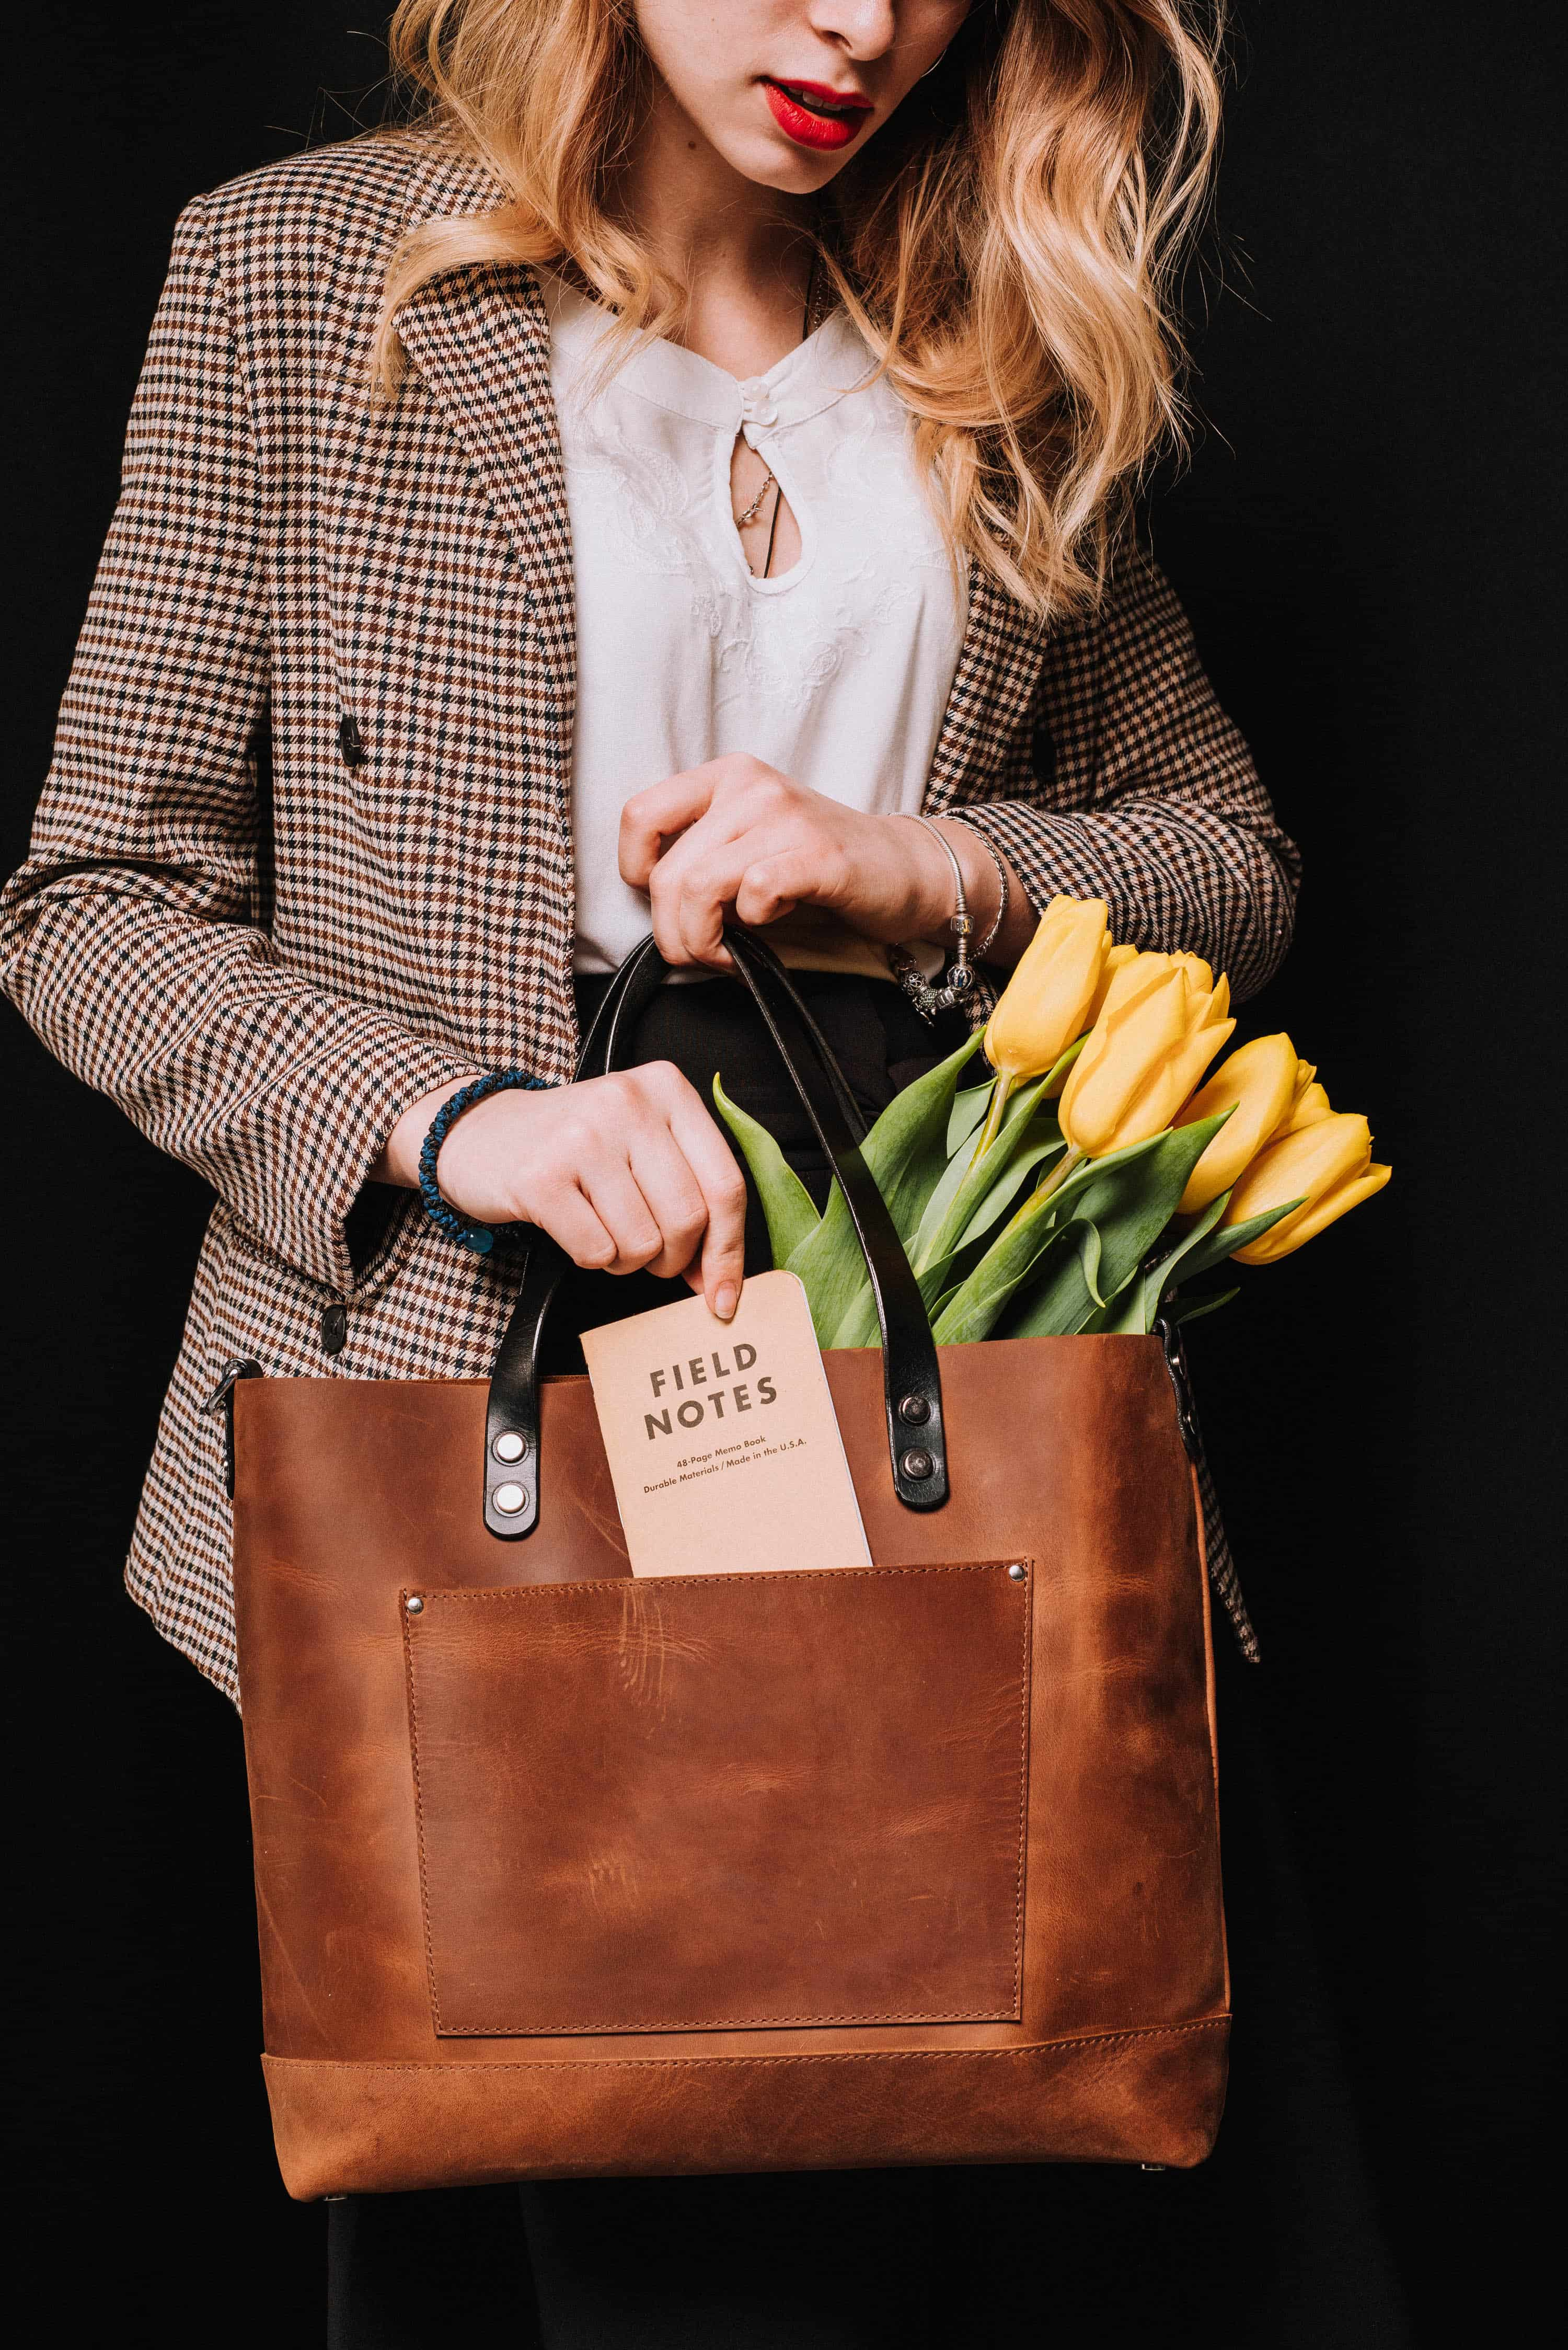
x=987, y=878
x=398, y=1159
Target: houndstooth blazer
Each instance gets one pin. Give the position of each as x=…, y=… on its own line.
x=304, y=855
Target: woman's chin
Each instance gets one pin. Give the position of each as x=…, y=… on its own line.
x=769, y=159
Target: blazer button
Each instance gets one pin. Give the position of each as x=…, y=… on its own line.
x=350, y=742
x=334, y=1329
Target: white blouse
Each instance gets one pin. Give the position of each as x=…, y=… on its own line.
x=838, y=672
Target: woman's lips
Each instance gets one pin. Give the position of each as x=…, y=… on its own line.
x=814, y=116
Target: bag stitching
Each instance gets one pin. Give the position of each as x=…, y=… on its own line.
x=825, y=2056
x=419, y=1808
x=768, y=1574
x=726, y=2023
x=1025, y=1678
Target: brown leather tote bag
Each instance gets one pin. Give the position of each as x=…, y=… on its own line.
x=562, y=1873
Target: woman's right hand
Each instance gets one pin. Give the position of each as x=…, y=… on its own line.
x=627, y=1172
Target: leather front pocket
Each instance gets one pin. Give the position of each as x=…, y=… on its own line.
x=723, y=1802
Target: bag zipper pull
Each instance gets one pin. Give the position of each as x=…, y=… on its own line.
x=243, y=1366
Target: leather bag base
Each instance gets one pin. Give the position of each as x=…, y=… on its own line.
x=366, y=2128
x=938, y=1882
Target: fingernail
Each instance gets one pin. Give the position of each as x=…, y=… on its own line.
x=725, y=1302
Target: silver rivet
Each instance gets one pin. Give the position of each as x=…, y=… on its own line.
x=919, y=1465
x=510, y=1499
x=509, y=1445
x=1017, y=1573
x=914, y=1411
x=414, y=1604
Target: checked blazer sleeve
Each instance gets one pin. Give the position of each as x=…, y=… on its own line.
x=1135, y=788
x=133, y=939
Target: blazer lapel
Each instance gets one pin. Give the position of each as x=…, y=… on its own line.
x=481, y=342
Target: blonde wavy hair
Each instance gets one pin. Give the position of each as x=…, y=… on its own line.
x=1008, y=243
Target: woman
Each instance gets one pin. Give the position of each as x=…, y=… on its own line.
x=625, y=496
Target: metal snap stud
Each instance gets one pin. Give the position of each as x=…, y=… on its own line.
x=414, y=1605
x=510, y=1499
x=914, y=1411
x=509, y=1445
x=1017, y=1573
x=919, y=1465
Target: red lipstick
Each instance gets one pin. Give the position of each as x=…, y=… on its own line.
x=814, y=116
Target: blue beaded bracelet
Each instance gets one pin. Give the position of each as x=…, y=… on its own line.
x=465, y=1230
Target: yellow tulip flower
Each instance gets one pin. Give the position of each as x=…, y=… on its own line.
x=1327, y=1164
x=1048, y=1001
x=1309, y=1104
x=1259, y=1086
x=1162, y=1023
x=1117, y=960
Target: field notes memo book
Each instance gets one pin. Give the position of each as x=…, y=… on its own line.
x=721, y=1437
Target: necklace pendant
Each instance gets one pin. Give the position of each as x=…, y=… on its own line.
x=750, y=513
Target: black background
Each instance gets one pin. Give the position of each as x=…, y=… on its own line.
x=1366, y=540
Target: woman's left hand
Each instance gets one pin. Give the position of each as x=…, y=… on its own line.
x=736, y=838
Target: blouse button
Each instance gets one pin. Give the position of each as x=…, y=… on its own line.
x=757, y=402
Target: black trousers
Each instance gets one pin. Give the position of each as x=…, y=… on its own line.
x=1275, y=2244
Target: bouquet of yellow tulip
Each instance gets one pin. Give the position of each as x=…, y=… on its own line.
x=1093, y=1174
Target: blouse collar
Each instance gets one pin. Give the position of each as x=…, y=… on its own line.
x=830, y=363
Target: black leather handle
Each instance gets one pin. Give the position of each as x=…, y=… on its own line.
x=911, y=1383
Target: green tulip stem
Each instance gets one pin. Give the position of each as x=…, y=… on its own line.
x=1058, y=1175
x=1000, y=1091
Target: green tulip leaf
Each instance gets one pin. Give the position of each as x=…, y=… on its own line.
x=1058, y=1301
x=985, y=1293
x=786, y=1202
x=1127, y=1315
x=975, y=1192
x=1218, y=1245
x=1064, y=1198
x=936, y=1283
x=1089, y=1240
x=1011, y=1259
x=859, y=1326
x=906, y=1149
x=1142, y=1298
x=1202, y=1306
x=1124, y=1200
x=941, y=1200
x=905, y=1154
x=830, y=1269
x=1132, y=1198
x=967, y=1116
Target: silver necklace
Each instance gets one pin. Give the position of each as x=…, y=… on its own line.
x=751, y=510
x=769, y=480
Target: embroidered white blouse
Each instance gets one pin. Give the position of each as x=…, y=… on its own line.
x=838, y=672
